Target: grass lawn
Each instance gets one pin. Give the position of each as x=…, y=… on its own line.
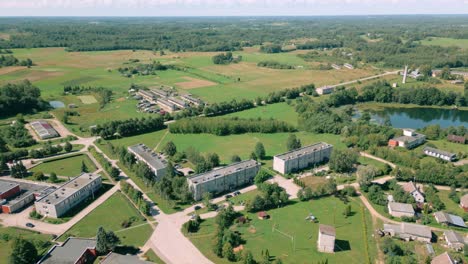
x=11, y=233
x=352, y=241
x=373, y=162
x=110, y=216
x=151, y=256
x=446, y=42
x=69, y=166
x=280, y=111
x=443, y=144
x=450, y=206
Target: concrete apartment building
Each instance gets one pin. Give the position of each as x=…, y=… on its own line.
x=156, y=162
x=223, y=179
x=409, y=140
x=15, y=196
x=44, y=130
x=67, y=196
x=326, y=239
x=302, y=158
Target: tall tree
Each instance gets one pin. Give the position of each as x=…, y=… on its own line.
x=170, y=149
x=343, y=160
x=68, y=147
x=293, y=142
x=84, y=168
x=101, y=241
x=235, y=158
x=260, y=151
x=23, y=252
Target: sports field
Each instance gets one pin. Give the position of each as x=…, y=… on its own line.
x=352, y=243
x=120, y=210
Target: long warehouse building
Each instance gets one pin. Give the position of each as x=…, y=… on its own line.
x=223, y=179
x=302, y=158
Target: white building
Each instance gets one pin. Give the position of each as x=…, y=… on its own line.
x=223, y=179
x=302, y=158
x=400, y=209
x=55, y=204
x=157, y=163
x=44, y=130
x=409, y=140
x=444, y=155
x=324, y=90
x=326, y=239
x=411, y=188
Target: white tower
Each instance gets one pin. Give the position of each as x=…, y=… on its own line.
x=405, y=73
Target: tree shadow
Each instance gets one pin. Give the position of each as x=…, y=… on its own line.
x=342, y=245
x=124, y=250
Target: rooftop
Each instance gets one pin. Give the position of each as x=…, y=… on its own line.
x=304, y=150
x=443, y=258
x=464, y=200
x=5, y=186
x=454, y=237
x=154, y=160
x=44, y=129
x=27, y=189
x=408, y=138
x=327, y=230
x=409, y=187
x=401, y=207
x=69, y=252
x=114, y=258
x=443, y=217
x=440, y=152
x=211, y=175
x=69, y=188
x=409, y=229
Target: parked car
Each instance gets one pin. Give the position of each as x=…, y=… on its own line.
x=236, y=193
x=228, y=196
x=197, y=207
x=30, y=225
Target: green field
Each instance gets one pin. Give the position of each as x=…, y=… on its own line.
x=352, y=243
x=280, y=111
x=11, y=233
x=446, y=42
x=68, y=166
x=110, y=216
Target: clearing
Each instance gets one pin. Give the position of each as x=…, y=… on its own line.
x=87, y=99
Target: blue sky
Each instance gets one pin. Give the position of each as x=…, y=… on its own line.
x=228, y=7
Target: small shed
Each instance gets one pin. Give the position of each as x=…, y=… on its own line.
x=263, y=215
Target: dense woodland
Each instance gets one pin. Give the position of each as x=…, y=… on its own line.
x=21, y=97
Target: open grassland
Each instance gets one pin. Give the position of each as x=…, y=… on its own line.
x=443, y=144
x=352, y=242
x=110, y=215
x=451, y=206
x=9, y=234
x=68, y=166
x=446, y=42
x=412, y=83
x=280, y=111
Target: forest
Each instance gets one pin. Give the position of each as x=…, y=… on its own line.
x=20, y=97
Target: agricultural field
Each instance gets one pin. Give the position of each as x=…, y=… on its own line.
x=8, y=234
x=446, y=42
x=122, y=210
x=66, y=166
x=354, y=234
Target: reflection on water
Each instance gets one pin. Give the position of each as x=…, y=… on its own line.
x=421, y=117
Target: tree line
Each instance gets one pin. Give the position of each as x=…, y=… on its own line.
x=20, y=97
x=129, y=127
x=275, y=65
x=225, y=58
x=10, y=60
x=228, y=126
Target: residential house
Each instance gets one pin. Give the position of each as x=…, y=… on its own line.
x=326, y=239
x=449, y=219
x=408, y=232
x=324, y=90
x=72, y=251
x=400, y=209
x=456, y=139
x=455, y=240
x=411, y=188
x=444, y=155
x=443, y=258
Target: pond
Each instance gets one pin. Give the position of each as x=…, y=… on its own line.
x=57, y=104
x=421, y=117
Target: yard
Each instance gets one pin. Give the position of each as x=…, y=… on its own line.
x=352, y=242
x=8, y=234
x=110, y=215
x=66, y=166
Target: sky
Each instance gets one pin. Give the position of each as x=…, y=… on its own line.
x=228, y=7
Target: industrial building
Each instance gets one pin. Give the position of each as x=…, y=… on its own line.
x=15, y=196
x=443, y=155
x=409, y=140
x=44, y=130
x=192, y=100
x=156, y=162
x=67, y=196
x=302, y=158
x=223, y=179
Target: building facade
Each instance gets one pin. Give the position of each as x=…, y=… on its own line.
x=409, y=140
x=302, y=158
x=408, y=232
x=55, y=204
x=157, y=163
x=400, y=209
x=223, y=179
x=326, y=239
x=324, y=90
x=436, y=153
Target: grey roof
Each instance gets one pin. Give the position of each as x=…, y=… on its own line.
x=114, y=258
x=327, y=230
x=147, y=93
x=440, y=152
x=454, y=237
x=401, y=207
x=405, y=229
x=44, y=129
x=176, y=101
x=443, y=258
x=443, y=217
x=68, y=189
x=191, y=99
x=69, y=252
x=213, y=174
x=304, y=150
x=5, y=186
x=27, y=189
x=165, y=102
x=153, y=160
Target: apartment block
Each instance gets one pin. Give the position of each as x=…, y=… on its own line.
x=302, y=158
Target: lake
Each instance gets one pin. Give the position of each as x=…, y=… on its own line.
x=421, y=117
